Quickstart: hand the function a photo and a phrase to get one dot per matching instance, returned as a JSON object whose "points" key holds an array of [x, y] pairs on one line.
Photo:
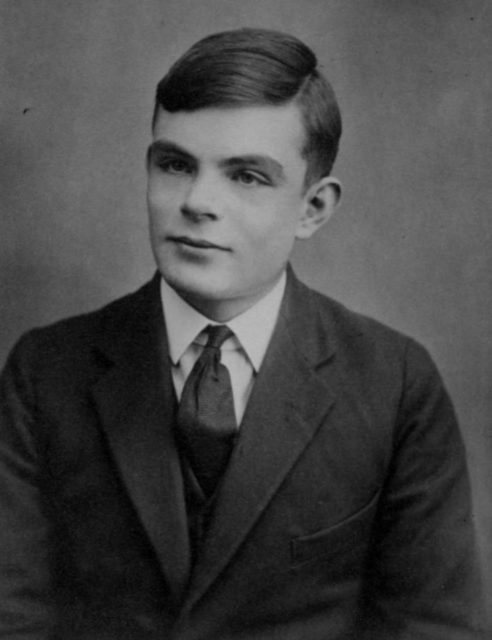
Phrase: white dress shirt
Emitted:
{"points": [[242, 354]]}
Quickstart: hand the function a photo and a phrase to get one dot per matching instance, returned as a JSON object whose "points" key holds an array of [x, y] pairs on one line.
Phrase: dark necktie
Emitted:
{"points": [[206, 419]]}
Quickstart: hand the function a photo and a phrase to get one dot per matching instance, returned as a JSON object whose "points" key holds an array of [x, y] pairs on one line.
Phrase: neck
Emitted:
{"points": [[225, 310]]}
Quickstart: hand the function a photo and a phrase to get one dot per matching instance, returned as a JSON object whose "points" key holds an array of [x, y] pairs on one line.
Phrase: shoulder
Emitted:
{"points": [[72, 342], [372, 359], [350, 333]]}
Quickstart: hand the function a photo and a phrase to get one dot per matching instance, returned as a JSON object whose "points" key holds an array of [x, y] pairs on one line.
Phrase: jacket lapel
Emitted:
{"points": [[135, 400], [286, 408]]}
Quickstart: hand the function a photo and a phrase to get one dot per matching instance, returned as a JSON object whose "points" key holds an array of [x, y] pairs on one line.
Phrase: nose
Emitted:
{"points": [[201, 201]]}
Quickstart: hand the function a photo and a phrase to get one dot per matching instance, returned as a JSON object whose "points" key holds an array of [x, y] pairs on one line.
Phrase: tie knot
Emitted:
{"points": [[217, 335]]}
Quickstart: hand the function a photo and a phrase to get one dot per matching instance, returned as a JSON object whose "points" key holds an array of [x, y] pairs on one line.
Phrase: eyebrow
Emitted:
{"points": [[252, 160], [164, 146], [258, 161]]}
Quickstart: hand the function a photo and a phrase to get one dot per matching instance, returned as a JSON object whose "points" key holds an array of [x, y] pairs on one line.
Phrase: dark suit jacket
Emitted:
{"points": [[344, 511]]}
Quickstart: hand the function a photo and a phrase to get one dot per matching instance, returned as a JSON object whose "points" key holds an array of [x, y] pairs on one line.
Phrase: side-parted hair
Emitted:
{"points": [[258, 67]]}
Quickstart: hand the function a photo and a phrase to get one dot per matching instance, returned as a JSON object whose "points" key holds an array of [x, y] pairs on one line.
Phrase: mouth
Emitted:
{"points": [[196, 243]]}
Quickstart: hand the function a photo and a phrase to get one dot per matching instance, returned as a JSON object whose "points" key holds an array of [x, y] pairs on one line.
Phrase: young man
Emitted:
{"points": [[293, 472]]}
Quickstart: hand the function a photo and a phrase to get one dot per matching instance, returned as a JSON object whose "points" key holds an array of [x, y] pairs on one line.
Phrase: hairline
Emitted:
{"points": [[243, 104]]}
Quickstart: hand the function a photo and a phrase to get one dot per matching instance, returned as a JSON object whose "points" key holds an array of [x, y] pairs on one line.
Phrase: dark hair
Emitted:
{"points": [[257, 67]]}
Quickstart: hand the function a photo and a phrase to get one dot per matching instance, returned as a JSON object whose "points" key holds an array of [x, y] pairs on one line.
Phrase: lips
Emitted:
{"points": [[197, 243]]}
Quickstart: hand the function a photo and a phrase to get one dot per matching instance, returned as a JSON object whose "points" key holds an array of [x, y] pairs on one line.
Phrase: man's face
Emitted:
{"points": [[226, 201]]}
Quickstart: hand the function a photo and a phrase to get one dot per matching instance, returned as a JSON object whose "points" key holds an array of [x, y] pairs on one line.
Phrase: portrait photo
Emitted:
{"points": [[246, 337]]}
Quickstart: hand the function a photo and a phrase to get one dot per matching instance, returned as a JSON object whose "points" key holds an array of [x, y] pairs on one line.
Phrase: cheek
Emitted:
{"points": [[163, 192], [267, 247], [273, 225], [160, 204]]}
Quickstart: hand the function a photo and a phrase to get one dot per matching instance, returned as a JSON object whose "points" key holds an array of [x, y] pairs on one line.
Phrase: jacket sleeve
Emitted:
{"points": [[423, 579], [26, 611]]}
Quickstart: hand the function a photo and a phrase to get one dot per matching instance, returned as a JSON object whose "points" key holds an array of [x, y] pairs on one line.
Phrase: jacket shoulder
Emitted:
{"points": [[366, 347], [71, 341], [348, 327]]}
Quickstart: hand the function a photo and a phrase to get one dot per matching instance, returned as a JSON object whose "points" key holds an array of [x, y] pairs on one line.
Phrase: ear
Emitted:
{"points": [[321, 200]]}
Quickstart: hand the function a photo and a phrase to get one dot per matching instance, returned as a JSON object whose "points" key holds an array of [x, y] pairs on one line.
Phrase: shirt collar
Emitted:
{"points": [[253, 328]]}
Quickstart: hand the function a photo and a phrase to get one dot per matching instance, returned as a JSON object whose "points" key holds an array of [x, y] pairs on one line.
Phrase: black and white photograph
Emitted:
{"points": [[246, 320]]}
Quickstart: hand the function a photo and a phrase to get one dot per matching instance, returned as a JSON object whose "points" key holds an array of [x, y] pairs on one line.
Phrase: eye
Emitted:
{"points": [[249, 178], [174, 166]]}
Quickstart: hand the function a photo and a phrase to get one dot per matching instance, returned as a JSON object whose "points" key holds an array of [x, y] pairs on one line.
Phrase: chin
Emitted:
{"points": [[195, 285]]}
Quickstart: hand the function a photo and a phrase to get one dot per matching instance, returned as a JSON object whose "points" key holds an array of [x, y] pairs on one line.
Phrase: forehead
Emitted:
{"points": [[275, 131]]}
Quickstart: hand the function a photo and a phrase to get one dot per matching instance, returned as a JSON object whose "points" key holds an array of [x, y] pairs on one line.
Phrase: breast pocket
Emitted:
{"points": [[349, 537]]}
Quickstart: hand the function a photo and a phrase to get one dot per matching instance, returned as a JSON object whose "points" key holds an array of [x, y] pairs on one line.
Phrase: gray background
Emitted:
{"points": [[411, 242]]}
